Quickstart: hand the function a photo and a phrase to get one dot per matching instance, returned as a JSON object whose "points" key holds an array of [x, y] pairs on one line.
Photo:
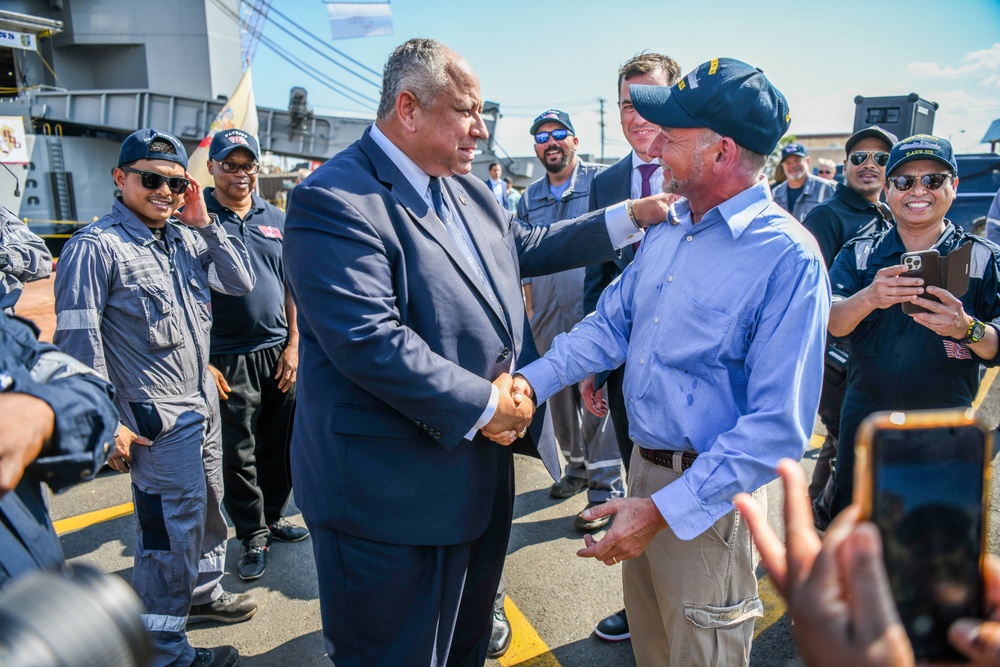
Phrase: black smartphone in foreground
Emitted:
{"points": [[923, 478]]}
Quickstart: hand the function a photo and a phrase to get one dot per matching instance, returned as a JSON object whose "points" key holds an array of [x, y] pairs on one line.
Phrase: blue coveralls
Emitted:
{"points": [[138, 310], [23, 258], [85, 420]]}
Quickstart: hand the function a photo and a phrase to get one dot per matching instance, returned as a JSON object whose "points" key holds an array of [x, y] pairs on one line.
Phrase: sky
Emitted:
{"points": [[532, 56]]}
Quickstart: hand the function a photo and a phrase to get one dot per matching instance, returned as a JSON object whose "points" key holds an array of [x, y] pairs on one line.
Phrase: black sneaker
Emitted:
{"points": [[221, 656], [614, 628], [228, 608], [284, 530], [252, 563]]}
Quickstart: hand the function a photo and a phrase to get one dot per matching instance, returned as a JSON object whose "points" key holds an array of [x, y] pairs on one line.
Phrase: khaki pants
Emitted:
{"points": [[691, 602]]}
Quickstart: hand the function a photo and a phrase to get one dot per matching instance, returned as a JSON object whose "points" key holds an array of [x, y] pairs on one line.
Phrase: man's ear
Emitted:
{"points": [[407, 109], [119, 177]]}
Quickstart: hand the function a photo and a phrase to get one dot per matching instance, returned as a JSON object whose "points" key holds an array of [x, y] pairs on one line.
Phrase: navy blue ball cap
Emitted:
{"points": [[552, 116], [922, 147], [873, 132], [137, 147], [226, 141], [794, 149], [725, 95]]}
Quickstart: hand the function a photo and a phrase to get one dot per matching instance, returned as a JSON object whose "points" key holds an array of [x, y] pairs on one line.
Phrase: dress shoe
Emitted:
{"points": [[252, 563], [567, 487], [220, 656], [284, 530], [614, 628], [588, 525], [500, 636], [228, 608]]}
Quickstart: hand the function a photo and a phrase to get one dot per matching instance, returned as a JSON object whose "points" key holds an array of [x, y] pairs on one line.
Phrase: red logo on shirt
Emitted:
{"points": [[956, 350], [270, 232]]}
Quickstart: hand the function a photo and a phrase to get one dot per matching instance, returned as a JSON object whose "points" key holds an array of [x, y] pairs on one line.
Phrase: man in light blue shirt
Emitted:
{"points": [[721, 319]]}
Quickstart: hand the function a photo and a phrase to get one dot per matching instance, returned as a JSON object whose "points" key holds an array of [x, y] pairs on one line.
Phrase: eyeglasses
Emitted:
{"points": [[249, 168], [929, 181], [558, 135], [881, 158], [826, 172], [152, 181]]}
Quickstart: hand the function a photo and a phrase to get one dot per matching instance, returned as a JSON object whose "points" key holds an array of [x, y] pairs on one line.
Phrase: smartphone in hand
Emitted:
{"points": [[950, 272], [923, 478]]}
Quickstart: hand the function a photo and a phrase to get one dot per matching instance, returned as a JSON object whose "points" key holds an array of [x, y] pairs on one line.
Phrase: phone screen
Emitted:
{"points": [[927, 500]]}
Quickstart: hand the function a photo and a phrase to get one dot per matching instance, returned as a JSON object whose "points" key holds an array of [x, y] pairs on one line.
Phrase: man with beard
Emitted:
{"points": [[587, 441], [854, 209], [721, 316], [801, 191]]}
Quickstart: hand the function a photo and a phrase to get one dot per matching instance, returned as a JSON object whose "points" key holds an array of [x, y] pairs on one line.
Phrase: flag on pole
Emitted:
{"points": [[240, 112], [359, 19]]}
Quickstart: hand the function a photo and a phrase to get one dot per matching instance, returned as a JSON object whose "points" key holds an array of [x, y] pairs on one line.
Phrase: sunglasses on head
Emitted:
{"points": [[558, 135], [881, 158], [929, 181], [152, 181], [249, 168]]}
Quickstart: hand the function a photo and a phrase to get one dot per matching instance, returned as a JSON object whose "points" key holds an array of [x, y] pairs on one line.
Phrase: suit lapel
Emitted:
{"points": [[486, 248], [389, 175]]}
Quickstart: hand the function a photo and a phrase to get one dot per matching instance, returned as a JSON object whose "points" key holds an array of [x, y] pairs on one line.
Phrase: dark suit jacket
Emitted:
{"points": [[399, 345], [610, 187]]}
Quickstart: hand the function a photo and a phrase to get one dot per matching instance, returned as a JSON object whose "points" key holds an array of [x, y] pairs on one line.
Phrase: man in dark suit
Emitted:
{"points": [[406, 272], [635, 176]]}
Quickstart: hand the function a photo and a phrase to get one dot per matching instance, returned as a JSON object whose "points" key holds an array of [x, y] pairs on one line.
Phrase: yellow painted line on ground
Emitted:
{"points": [[527, 649], [984, 387], [774, 606], [79, 521], [816, 441]]}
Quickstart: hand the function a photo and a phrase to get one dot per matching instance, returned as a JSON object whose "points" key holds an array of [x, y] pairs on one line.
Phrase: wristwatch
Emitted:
{"points": [[975, 333]]}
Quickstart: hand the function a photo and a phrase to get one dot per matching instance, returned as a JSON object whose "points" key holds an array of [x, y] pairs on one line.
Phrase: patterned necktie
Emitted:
{"points": [[646, 171], [463, 244]]}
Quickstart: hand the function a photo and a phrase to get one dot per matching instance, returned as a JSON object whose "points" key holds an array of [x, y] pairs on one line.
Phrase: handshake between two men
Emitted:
{"points": [[515, 408]]}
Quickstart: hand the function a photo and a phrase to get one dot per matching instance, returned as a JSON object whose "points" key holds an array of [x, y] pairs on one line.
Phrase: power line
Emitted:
{"points": [[326, 44], [309, 70], [268, 7]]}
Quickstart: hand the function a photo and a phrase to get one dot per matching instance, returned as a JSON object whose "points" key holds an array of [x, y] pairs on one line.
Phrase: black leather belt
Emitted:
{"points": [[665, 457]]}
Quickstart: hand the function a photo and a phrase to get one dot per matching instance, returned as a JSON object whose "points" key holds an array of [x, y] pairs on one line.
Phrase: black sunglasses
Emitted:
{"points": [[929, 181], [249, 169], [152, 181], [558, 135], [881, 158]]}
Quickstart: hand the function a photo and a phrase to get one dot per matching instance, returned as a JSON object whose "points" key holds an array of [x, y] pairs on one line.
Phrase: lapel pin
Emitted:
{"points": [[461, 198]]}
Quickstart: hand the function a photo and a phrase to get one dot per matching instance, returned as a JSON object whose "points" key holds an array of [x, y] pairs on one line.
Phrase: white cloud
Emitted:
{"points": [[981, 63]]}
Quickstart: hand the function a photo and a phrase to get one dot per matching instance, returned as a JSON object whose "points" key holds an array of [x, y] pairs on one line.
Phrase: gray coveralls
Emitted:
{"points": [[23, 258], [587, 442], [138, 310]]}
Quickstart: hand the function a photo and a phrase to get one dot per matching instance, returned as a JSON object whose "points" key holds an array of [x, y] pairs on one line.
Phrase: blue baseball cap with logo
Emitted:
{"points": [[226, 141], [794, 149], [552, 116], [138, 146], [725, 95], [922, 147]]}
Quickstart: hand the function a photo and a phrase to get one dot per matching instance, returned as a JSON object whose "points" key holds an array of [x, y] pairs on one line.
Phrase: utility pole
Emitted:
{"points": [[602, 100]]}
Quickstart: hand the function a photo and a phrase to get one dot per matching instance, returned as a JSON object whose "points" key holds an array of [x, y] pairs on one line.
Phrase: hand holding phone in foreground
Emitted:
{"points": [[837, 589]]}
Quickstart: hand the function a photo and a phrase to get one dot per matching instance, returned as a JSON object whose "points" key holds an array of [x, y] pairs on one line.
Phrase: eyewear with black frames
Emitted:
{"points": [[881, 158], [152, 181], [249, 168], [929, 181], [558, 135]]}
